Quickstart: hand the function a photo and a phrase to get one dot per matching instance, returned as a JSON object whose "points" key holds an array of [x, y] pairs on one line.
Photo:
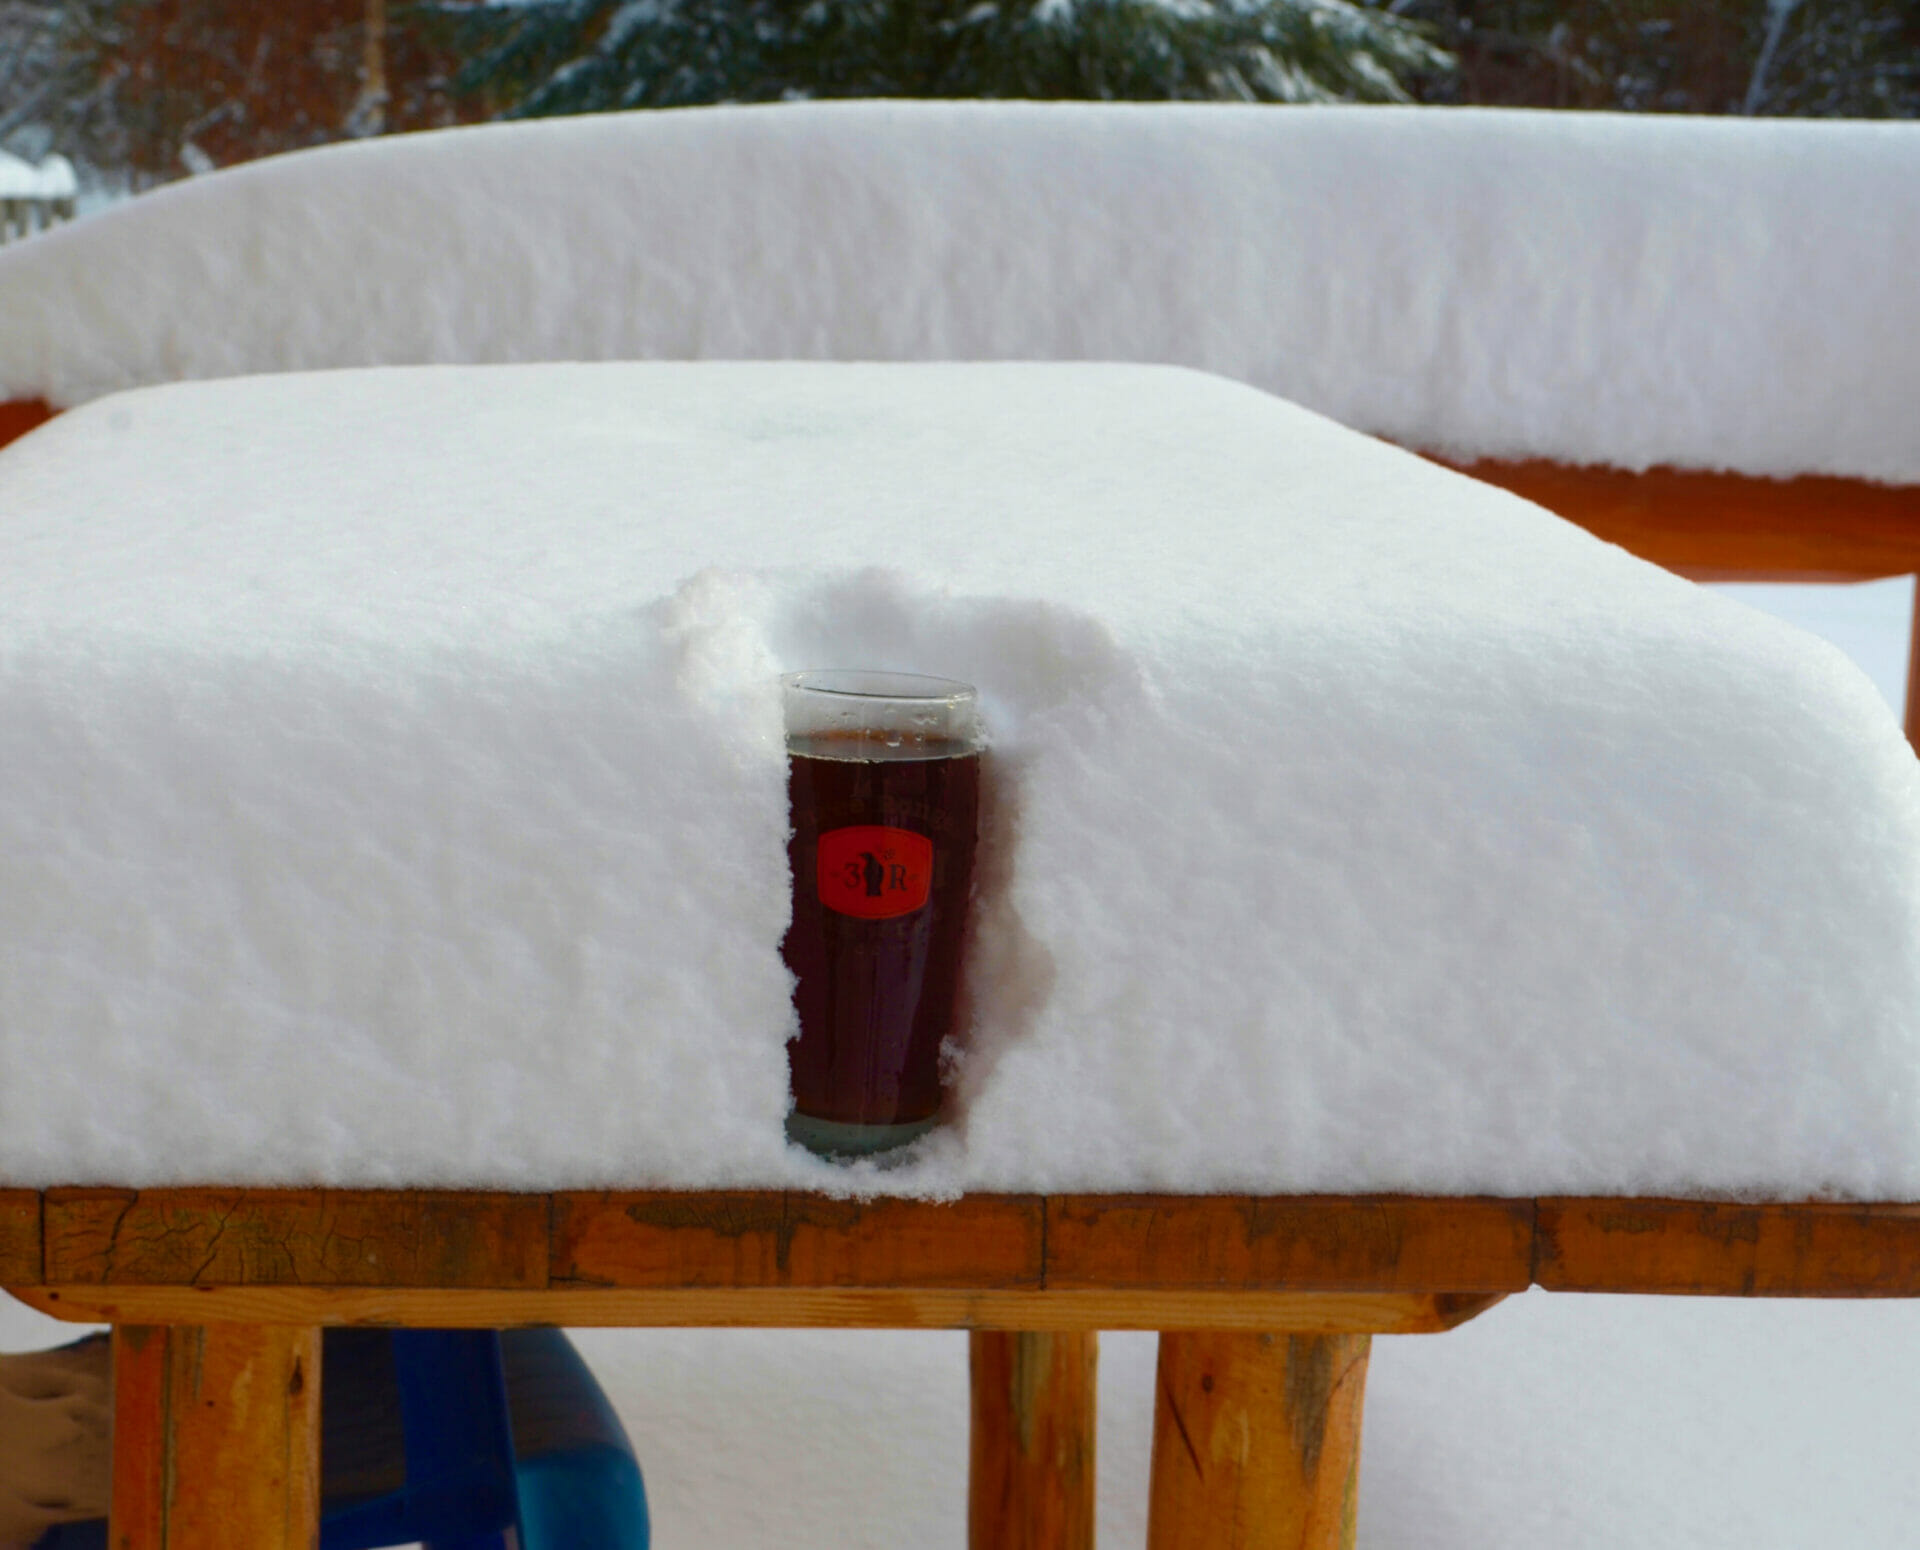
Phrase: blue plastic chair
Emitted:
{"points": [[457, 1439]]}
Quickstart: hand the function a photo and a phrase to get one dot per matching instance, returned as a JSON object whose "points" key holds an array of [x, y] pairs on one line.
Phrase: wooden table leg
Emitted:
{"points": [[216, 1438], [1256, 1441], [1030, 1478]]}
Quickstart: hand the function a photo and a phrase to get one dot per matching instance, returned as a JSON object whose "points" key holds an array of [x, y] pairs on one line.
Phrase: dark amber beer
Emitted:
{"points": [[884, 793]]}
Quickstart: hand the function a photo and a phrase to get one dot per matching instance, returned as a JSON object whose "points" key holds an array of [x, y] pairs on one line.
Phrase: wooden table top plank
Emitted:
{"points": [[1718, 1248], [20, 1232], [263, 1237], [795, 1307], [1038, 1247], [1319, 1243], [788, 1238]]}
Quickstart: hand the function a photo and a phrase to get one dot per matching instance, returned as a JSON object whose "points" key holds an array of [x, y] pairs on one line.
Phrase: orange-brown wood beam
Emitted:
{"points": [[787, 1307], [1722, 1249], [1728, 527], [1030, 1478], [216, 1438], [19, 1237], [20, 415], [1308, 1242], [1256, 1442], [776, 1238], [1009, 1246], [303, 1237]]}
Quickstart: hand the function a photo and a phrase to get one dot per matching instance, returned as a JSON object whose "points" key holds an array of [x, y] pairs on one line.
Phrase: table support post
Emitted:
{"points": [[216, 1438], [1256, 1441], [1031, 1480]]}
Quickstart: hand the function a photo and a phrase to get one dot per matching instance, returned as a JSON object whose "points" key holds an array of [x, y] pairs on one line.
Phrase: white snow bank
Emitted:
{"points": [[394, 793], [1630, 289]]}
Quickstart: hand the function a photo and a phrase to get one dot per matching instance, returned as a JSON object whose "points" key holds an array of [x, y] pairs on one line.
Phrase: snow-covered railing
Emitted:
{"points": [[33, 198]]}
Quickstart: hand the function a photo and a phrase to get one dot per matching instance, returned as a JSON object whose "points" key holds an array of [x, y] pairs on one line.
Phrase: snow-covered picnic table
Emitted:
{"points": [[393, 837], [395, 796]]}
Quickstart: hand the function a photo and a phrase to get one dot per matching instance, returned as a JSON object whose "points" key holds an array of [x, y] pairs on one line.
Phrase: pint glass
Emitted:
{"points": [[884, 787]]}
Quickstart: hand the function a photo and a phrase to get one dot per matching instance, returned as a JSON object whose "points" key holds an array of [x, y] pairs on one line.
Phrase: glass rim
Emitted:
{"points": [[860, 683]]}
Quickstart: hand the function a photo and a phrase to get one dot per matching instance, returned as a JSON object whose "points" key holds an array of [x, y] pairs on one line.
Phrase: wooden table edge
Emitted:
{"points": [[956, 1308], [705, 1243]]}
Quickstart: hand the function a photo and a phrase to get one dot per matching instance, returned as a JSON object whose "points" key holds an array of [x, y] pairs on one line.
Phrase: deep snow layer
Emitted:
{"points": [[394, 793], [1624, 289], [1712, 1423]]}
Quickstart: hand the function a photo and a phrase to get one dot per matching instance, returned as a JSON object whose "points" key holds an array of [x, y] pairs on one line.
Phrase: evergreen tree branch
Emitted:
{"points": [[574, 56]]}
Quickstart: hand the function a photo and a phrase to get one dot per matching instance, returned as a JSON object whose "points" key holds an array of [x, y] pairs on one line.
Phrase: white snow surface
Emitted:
{"points": [[1620, 289], [1735, 1424], [394, 793]]}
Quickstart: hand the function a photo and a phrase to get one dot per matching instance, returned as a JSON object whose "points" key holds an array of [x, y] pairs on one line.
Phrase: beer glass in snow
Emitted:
{"points": [[884, 787]]}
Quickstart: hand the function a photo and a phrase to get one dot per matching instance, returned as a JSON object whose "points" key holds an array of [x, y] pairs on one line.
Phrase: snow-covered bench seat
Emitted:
{"points": [[1626, 290]]}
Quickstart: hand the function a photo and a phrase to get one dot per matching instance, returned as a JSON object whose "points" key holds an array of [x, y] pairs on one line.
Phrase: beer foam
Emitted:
{"points": [[395, 795]]}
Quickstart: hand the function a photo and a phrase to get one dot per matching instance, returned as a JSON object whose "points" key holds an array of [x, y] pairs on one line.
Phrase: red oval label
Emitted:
{"points": [[872, 872]]}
